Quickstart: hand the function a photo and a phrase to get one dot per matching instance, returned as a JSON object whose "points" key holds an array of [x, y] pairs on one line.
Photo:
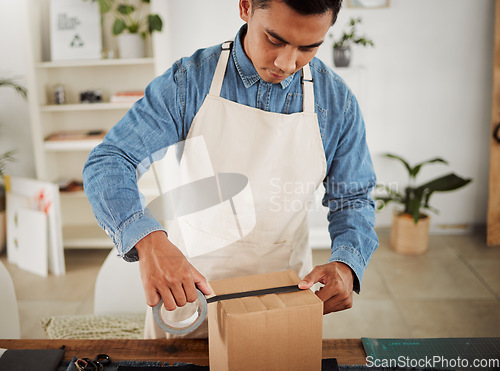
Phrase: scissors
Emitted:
{"points": [[86, 364]]}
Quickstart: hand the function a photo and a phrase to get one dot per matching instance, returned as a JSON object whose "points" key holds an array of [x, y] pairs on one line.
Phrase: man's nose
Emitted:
{"points": [[286, 59]]}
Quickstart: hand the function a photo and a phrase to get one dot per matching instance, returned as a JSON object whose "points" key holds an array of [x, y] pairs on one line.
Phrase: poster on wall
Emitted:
{"points": [[75, 30]]}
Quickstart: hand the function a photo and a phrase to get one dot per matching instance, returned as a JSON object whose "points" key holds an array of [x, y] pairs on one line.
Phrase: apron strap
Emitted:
{"points": [[307, 89], [220, 70]]}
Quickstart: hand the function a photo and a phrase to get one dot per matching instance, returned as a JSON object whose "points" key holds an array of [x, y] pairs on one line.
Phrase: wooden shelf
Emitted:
{"points": [[86, 107], [70, 145], [96, 63]]}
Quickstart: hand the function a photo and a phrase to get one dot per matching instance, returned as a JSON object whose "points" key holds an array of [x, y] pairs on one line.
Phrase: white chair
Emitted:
{"points": [[9, 314], [118, 288]]}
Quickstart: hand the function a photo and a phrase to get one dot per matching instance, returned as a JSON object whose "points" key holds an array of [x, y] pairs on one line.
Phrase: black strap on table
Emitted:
{"points": [[244, 294]]}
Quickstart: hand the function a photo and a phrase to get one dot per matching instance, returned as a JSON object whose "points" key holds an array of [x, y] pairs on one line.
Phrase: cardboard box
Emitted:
{"points": [[270, 332]]}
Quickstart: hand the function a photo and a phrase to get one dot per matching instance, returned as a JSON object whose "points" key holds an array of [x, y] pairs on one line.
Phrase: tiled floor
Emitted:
{"points": [[452, 291]]}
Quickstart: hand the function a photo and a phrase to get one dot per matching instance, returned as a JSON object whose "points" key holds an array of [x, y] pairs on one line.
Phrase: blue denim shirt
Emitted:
{"points": [[163, 117]]}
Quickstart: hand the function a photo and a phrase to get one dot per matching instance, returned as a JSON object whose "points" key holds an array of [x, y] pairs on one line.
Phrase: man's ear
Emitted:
{"points": [[245, 9]]}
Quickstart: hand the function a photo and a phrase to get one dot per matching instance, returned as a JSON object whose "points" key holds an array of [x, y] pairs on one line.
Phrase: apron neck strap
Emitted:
{"points": [[220, 70], [306, 78], [307, 89]]}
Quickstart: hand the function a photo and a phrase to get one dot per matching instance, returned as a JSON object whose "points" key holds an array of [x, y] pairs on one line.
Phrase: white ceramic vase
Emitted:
{"points": [[131, 45]]}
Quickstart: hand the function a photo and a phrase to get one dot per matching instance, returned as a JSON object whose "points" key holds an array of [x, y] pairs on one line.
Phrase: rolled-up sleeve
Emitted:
{"points": [[113, 168], [348, 185]]}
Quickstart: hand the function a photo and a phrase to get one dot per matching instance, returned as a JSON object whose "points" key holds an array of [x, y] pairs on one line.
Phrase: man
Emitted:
{"points": [[268, 110]]}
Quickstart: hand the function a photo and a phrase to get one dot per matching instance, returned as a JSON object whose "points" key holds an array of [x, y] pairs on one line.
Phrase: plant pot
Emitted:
{"points": [[342, 56], [131, 45], [3, 231], [408, 238]]}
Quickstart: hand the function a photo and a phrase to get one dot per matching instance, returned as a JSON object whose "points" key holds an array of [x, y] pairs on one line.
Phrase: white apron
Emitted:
{"points": [[283, 157]]}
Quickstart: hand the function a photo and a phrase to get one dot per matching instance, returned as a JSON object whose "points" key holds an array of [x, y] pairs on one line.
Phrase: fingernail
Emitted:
{"points": [[303, 283]]}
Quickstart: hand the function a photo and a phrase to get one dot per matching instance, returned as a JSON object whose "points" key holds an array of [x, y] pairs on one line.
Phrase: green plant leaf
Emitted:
{"points": [[416, 169], [125, 9], [435, 211], [133, 27], [398, 197], [105, 5], [146, 1], [446, 183], [414, 207], [154, 23], [383, 201], [404, 162], [11, 83], [118, 26], [4, 159]]}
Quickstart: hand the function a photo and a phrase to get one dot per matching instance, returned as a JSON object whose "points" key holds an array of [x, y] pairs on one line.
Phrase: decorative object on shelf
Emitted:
{"points": [[71, 135], [126, 96], [342, 47], [59, 94], [70, 185], [368, 3], [410, 227], [131, 25], [131, 45], [75, 30], [90, 96], [5, 158]]}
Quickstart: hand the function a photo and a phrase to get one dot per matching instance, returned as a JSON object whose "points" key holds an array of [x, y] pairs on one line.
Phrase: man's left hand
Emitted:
{"points": [[338, 280]]}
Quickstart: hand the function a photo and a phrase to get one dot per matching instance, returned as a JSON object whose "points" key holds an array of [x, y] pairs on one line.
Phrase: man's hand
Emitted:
{"points": [[166, 273], [338, 280]]}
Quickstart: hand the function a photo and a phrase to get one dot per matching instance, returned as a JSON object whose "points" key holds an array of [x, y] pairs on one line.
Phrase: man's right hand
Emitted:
{"points": [[166, 273]]}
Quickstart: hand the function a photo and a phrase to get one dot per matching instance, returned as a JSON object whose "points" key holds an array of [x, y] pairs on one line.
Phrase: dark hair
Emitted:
{"points": [[305, 7]]}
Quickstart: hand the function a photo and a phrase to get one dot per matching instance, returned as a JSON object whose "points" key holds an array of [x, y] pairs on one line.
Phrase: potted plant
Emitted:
{"points": [[410, 226], [5, 158], [342, 46], [131, 24]]}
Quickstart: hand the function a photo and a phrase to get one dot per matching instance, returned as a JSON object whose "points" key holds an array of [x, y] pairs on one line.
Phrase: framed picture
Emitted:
{"points": [[368, 3], [75, 30]]}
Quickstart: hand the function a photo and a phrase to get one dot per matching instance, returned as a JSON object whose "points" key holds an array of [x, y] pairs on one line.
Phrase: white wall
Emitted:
{"points": [[426, 85], [429, 94], [15, 130]]}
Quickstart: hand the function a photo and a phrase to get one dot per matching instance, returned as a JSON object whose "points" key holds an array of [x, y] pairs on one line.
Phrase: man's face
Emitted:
{"points": [[279, 41]]}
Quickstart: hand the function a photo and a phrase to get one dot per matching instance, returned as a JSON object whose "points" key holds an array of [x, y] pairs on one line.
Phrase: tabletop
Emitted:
{"points": [[347, 351]]}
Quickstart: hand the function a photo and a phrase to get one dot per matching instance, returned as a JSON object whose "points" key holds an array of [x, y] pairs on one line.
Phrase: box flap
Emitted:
{"points": [[265, 302]]}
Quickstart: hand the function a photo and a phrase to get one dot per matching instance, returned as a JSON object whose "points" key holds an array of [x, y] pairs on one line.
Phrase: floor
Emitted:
{"points": [[451, 291]]}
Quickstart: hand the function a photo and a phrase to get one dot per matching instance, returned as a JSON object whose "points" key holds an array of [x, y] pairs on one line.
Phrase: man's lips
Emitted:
{"points": [[276, 76]]}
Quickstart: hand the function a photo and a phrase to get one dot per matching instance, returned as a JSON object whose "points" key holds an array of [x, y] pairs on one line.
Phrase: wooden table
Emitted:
{"points": [[347, 351]]}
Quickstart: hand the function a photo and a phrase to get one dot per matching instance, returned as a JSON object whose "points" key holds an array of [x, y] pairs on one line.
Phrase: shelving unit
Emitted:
{"points": [[57, 160], [85, 107]]}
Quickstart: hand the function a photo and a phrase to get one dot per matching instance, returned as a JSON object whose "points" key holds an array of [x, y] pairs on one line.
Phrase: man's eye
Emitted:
{"points": [[275, 43], [306, 49]]}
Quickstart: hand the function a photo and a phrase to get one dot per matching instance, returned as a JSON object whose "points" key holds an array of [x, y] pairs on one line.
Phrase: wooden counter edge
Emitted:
{"points": [[347, 351]]}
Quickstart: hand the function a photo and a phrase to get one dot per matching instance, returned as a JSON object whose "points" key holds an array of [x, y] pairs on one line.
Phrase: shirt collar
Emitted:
{"points": [[244, 65]]}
